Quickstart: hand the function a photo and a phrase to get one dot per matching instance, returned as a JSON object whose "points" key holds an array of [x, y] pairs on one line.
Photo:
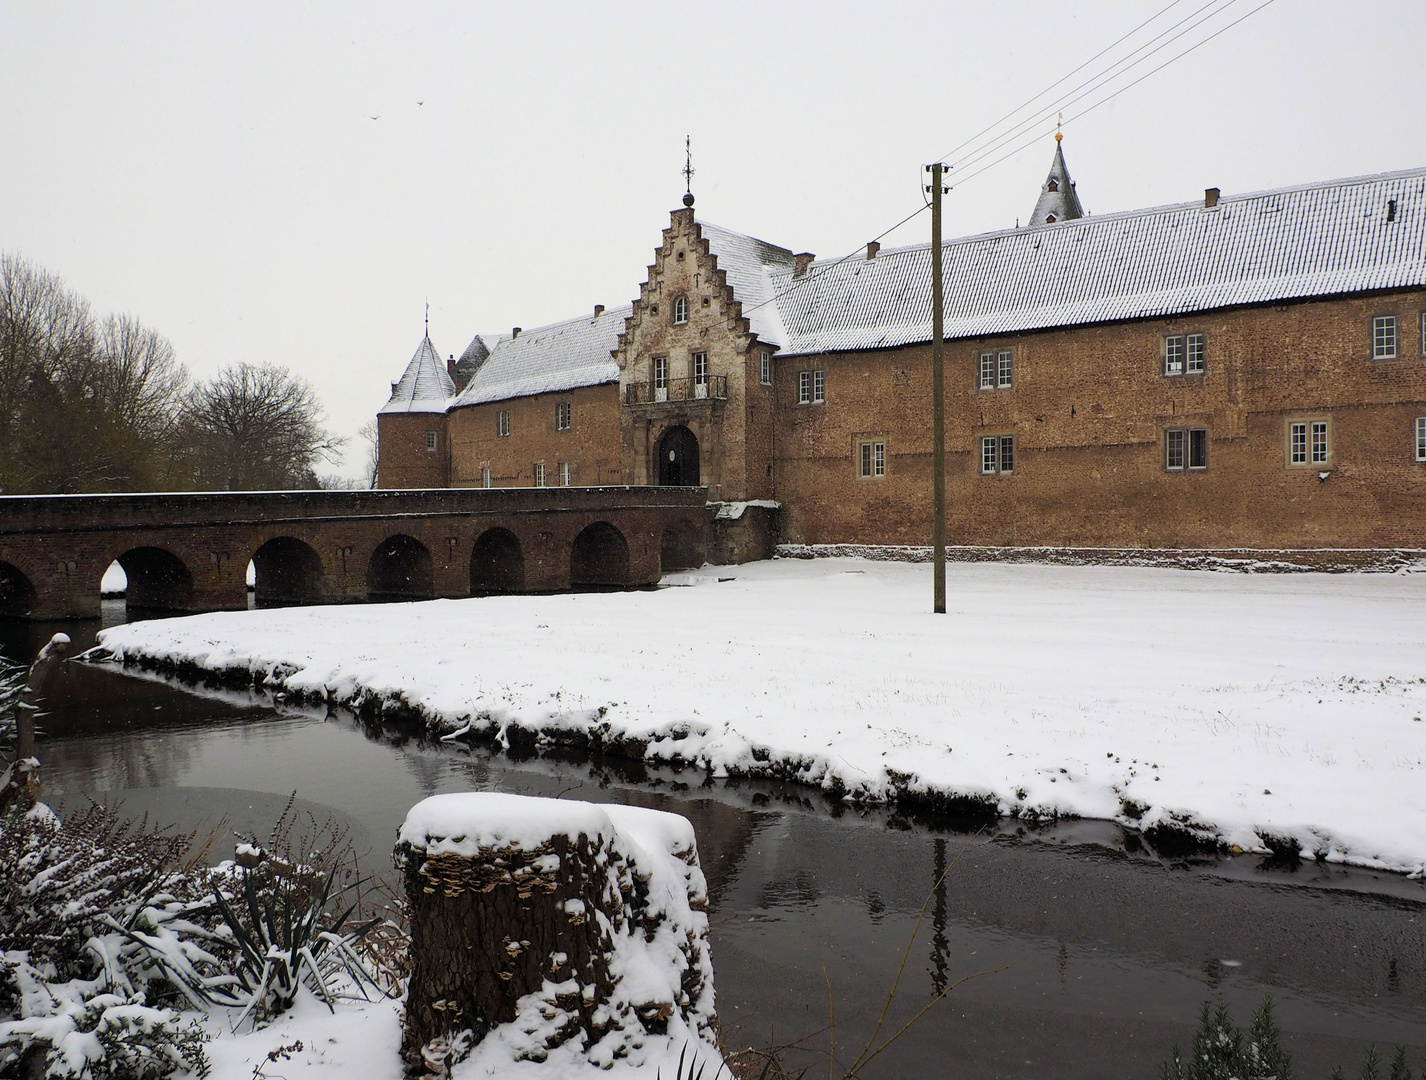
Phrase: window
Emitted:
{"points": [[653, 309], [539, 474], [563, 413], [502, 423], [660, 378], [680, 310], [1309, 442], [1384, 337], [765, 362], [700, 374], [1184, 354], [485, 476], [872, 459], [811, 387], [997, 454], [1421, 438], [1185, 448], [1423, 333], [997, 370], [430, 440], [564, 474]]}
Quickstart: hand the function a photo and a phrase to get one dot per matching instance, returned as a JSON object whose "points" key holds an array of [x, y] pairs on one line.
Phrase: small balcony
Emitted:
{"points": [[713, 388]]}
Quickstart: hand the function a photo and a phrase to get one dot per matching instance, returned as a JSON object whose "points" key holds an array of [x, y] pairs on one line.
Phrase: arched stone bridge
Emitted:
{"points": [[190, 552]]}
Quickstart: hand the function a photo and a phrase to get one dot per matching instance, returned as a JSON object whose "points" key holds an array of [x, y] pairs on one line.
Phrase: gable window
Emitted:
{"points": [[563, 415], [997, 370], [430, 440], [485, 476], [871, 459], [660, 378], [997, 454], [811, 387], [502, 423], [765, 362], [700, 374], [1421, 438], [680, 311], [1185, 449], [1384, 337], [539, 474], [564, 474], [1184, 354], [1309, 442]]}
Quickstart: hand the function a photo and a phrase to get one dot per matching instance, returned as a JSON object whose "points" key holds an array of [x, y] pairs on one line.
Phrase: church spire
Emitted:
{"points": [[1058, 201]]}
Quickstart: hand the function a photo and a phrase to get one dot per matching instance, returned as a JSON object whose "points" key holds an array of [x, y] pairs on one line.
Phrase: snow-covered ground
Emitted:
{"points": [[1249, 708]]}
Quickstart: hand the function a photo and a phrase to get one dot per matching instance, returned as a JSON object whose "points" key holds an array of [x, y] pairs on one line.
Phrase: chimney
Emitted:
{"points": [[598, 310], [801, 263], [451, 366], [871, 249], [1210, 197], [515, 333]]}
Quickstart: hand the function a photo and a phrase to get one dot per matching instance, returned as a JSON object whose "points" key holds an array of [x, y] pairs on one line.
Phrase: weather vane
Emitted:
{"points": [[1058, 123], [428, 317], [688, 170]]}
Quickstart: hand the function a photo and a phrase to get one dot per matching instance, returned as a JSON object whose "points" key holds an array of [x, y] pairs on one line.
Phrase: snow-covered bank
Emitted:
{"points": [[1261, 711]]}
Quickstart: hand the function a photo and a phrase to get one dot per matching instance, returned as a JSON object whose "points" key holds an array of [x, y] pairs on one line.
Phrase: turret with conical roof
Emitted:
{"points": [[425, 386], [1058, 201]]}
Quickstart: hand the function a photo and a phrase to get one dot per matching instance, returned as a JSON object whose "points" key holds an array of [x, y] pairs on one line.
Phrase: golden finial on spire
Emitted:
{"points": [[1059, 137]]}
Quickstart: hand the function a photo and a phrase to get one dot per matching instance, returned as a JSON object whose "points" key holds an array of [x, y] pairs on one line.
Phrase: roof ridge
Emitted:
{"points": [[528, 332]]}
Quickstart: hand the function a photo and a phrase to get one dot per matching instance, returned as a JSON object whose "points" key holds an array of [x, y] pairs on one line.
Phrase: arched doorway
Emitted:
{"points": [[157, 579], [678, 458], [287, 572], [17, 593], [681, 548], [400, 569], [600, 557], [496, 564]]}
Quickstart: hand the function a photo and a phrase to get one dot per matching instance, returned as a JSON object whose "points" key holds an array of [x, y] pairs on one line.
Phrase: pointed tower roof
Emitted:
{"points": [[425, 387], [1058, 201]]}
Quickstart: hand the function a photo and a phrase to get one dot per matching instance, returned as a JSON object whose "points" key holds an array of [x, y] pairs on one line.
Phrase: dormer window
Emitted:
{"points": [[680, 311], [1049, 219], [1053, 185]]}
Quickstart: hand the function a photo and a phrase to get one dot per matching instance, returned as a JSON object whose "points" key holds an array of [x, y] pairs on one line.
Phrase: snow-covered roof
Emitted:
{"points": [[425, 387], [749, 264], [1321, 239], [1058, 200], [561, 356]]}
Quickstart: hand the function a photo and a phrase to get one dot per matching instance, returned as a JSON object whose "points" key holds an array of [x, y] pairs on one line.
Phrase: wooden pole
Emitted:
{"points": [[938, 396]]}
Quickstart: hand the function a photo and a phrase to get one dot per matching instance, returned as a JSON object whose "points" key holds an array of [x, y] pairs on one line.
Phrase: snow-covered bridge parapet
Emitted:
{"points": [[544, 928], [190, 551]]}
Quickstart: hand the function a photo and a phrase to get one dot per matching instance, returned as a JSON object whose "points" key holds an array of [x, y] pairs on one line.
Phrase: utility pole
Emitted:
{"points": [[938, 392]]}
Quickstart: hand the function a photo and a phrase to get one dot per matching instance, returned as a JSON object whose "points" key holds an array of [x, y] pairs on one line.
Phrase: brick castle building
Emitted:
{"points": [[1242, 371]]}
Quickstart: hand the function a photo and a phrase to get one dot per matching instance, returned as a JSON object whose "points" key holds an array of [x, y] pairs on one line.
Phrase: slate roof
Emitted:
{"points": [[561, 356], [1314, 240], [749, 264], [425, 387], [1061, 204]]}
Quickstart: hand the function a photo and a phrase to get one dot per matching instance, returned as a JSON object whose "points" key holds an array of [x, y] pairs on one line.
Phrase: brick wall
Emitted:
{"points": [[406, 457], [1088, 408], [590, 445]]}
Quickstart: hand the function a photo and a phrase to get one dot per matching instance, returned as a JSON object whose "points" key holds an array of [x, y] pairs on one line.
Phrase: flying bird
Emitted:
{"points": [[376, 118], [420, 103]]}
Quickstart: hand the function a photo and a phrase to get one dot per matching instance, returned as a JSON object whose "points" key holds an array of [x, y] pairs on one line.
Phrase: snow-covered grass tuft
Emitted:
{"points": [[1254, 711]]}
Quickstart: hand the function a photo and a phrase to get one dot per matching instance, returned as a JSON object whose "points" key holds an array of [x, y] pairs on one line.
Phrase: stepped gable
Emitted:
{"points": [[1058, 200], [1314, 240], [561, 356], [748, 265], [425, 386]]}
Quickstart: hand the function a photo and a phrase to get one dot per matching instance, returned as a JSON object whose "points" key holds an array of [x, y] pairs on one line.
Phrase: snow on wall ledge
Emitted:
{"points": [[1262, 711]]}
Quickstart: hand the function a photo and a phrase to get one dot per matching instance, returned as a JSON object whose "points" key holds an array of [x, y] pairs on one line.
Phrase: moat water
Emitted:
{"points": [[1091, 954]]}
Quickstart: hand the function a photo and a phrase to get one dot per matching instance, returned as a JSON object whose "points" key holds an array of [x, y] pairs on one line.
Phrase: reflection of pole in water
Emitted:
{"points": [[938, 921]]}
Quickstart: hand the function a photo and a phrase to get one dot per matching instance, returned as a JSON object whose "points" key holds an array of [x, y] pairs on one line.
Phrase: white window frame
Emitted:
{"points": [[1423, 333], [564, 474], [1005, 369], [502, 423], [680, 310], [871, 459], [1421, 438], [1384, 337], [430, 442], [987, 371], [564, 416], [1195, 353], [1179, 449], [539, 470], [700, 374], [1309, 443], [485, 478], [765, 364], [993, 452], [660, 378], [812, 387]]}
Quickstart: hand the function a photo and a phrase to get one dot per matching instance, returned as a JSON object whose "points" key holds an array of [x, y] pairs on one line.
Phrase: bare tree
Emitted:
{"points": [[372, 444], [256, 427]]}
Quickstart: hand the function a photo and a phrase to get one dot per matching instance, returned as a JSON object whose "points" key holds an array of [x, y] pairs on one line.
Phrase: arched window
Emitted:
{"points": [[680, 311], [1053, 185]]}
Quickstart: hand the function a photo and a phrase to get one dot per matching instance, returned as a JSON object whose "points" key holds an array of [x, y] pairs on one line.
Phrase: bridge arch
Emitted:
{"points": [[497, 565], [681, 547], [17, 592], [600, 556], [400, 569], [288, 571], [158, 579]]}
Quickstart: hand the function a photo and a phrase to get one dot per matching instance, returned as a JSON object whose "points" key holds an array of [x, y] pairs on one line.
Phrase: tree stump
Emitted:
{"points": [[528, 912]]}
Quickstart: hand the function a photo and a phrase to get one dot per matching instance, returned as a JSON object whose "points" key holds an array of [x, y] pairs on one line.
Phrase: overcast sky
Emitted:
{"points": [[290, 183]]}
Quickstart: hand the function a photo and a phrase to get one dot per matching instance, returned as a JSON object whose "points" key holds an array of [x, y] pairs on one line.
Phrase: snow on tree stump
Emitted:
{"points": [[543, 927]]}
